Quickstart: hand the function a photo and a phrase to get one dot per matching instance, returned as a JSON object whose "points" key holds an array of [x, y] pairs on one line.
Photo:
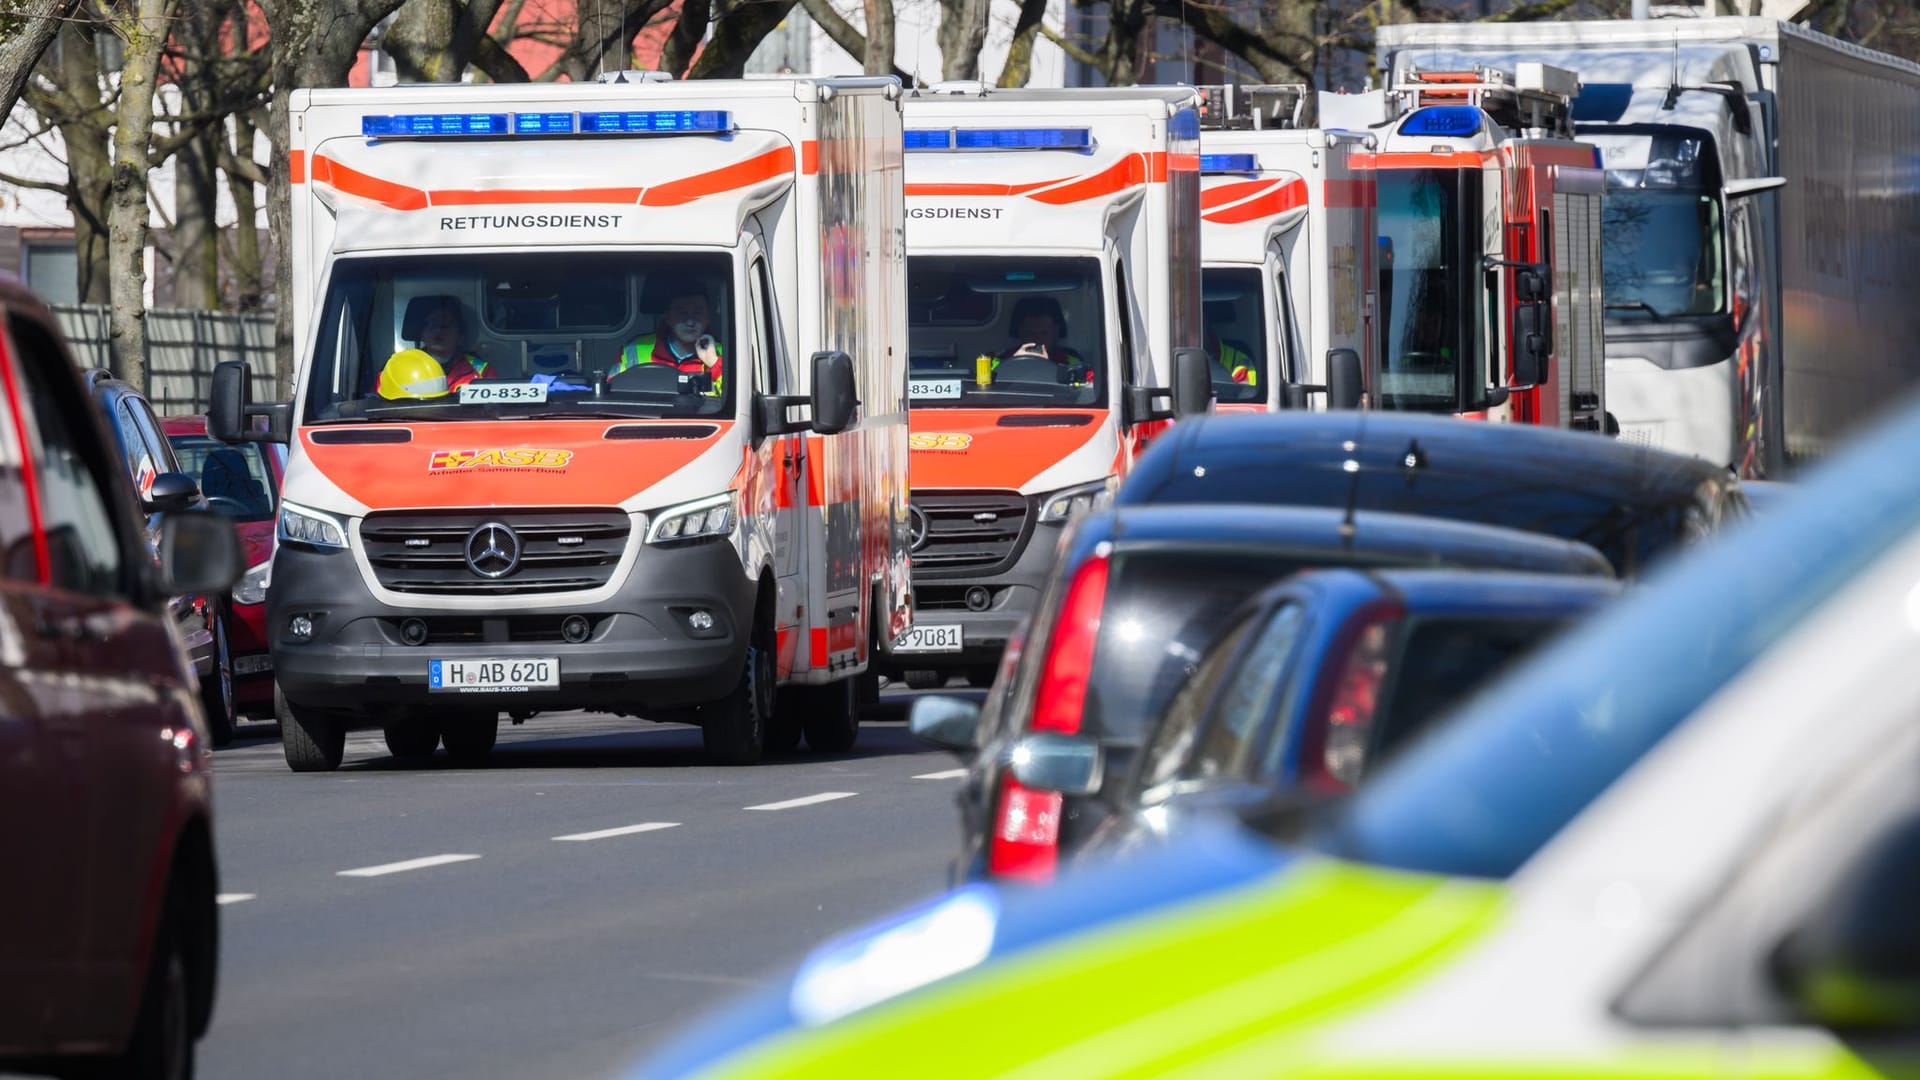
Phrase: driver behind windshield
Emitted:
{"points": [[688, 348], [438, 327], [1038, 325]]}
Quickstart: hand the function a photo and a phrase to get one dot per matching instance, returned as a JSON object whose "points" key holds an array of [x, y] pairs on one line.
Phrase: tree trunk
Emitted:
{"points": [[436, 40], [75, 107], [196, 250], [879, 55], [844, 34], [1019, 66], [29, 27], [145, 32], [736, 35], [677, 55], [247, 288], [963, 33]]}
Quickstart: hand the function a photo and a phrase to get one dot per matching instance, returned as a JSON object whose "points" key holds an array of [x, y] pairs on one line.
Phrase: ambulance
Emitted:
{"points": [[1287, 234], [600, 404], [1053, 293]]}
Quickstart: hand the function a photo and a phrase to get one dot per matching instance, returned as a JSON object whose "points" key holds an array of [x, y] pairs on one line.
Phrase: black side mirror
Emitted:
{"points": [[199, 552], [1192, 382], [1068, 764], [834, 396], [1855, 962], [230, 407], [1530, 284], [949, 722], [171, 492], [1293, 396], [1346, 382], [1532, 344]]}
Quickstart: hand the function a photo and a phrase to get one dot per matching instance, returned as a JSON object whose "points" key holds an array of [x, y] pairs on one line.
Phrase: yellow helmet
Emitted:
{"points": [[412, 373]]}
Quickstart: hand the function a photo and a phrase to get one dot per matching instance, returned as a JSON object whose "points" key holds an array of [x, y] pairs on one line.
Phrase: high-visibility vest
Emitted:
{"points": [[640, 351], [477, 369], [1073, 360], [1239, 365]]}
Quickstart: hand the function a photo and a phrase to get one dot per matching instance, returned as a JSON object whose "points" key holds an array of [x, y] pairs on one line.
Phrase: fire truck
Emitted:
{"points": [[1489, 250], [600, 403], [1287, 235], [1053, 291]]}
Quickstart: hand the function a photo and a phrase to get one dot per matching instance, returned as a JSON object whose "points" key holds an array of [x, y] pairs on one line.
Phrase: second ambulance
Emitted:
{"points": [[600, 404]]}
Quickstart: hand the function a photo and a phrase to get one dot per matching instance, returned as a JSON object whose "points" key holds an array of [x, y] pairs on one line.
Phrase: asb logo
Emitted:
{"points": [[934, 440], [487, 460]]}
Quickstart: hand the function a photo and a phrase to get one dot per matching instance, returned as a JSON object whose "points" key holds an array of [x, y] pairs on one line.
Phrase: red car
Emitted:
{"points": [[242, 482], [109, 928]]}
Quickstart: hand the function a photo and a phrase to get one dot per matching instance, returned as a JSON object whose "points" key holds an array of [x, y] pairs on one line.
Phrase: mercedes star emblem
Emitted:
{"points": [[493, 550], [916, 527]]}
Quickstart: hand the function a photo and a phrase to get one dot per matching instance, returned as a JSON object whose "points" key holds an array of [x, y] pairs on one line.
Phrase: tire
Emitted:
{"points": [[783, 727], [313, 741], [734, 729], [412, 740], [980, 678], [162, 1044], [870, 690], [469, 739], [832, 717], [216, 690], [922, 679]]}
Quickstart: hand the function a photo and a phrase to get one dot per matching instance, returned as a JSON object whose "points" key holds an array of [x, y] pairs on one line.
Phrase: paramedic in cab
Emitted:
{"points": [[438, 327], [1038, 324], [689, 348], [1231, 363]]}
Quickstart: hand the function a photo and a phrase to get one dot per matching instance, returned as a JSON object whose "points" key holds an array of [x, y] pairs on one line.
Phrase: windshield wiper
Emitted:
{"points": [[1637, 305]]}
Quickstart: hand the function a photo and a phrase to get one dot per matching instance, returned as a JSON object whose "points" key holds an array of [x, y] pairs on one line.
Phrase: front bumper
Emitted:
{"points": [[1015, 594], [640, 654]]}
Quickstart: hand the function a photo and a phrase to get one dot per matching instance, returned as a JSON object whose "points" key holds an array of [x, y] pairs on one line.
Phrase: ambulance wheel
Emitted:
{"points": [[783, 727], [469, 739], [870, 690], [832, 719], [922, 679], [411, 739], [734, 729], [313, 741]]}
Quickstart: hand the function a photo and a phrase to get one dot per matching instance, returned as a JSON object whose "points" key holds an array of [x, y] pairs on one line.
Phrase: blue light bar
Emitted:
{"points": [[422, 125], [1444, 121], [928, 139], [551, 123], [1184, 124], [1229, 163], [674, 122], [1024, 139]]}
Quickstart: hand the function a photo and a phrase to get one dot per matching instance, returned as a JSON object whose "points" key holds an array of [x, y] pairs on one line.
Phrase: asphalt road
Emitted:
{"points": [[555, 912]]}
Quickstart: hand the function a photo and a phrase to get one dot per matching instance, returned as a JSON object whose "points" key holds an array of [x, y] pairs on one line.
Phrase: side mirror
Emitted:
{"points": [[948, 722], [1345, 380], [1068, 764], [171, 492], [834, 395], [1532, 344], [1530, 284], [199, 552], [230, 407], [1855, 961], [1293, 396], [1192, 382]]}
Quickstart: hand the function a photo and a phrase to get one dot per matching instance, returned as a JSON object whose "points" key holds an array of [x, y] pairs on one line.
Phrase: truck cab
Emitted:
{"points": [[1053, 292], [599, 404]]}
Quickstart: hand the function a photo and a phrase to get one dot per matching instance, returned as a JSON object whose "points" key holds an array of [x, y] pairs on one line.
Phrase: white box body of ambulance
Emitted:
{"points": [[574, 423], [1053, 266]]}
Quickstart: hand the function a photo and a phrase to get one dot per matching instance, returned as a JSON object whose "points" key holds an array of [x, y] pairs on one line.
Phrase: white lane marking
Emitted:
{"points": [[235, 897], [405, 865], [624, 830], [809, 800], [949, 774]]}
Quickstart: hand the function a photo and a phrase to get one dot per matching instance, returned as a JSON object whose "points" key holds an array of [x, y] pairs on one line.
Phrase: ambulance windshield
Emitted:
{"points": [[1426, 291], [1661, 234], [1232, 305], [481, 336], [1006, 332]]}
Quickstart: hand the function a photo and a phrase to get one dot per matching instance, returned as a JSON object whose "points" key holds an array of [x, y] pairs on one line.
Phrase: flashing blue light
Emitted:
{"points": [[1602, 102], [1444, 121], [1184, 124], [554, 123], [674, 122], [1024, 139], [928, 139], [439, 124], [1229, 163]]}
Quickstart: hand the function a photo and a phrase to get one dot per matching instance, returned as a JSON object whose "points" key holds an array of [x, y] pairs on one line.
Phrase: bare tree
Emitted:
{"points": [[1019, 66], [69, 94], [962, 34], [437, 40], [684, 40], [143, 25], [25, 32], [736, 33], [878, 59], [845, 34]]}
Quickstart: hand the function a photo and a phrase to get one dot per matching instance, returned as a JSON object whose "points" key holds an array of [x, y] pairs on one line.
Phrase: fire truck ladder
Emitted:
{"points": [[1226, 107], [1537, 99]]}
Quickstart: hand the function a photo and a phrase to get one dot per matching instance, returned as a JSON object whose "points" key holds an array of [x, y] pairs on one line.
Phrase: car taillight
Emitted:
{"points": [[1062, 693], [1336, 748], [1025, 844]]}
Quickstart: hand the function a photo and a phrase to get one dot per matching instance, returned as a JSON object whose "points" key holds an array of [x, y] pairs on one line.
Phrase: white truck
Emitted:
{"points": [[1760, 207], [552, 342], [1287, 238], [1053, 270]]}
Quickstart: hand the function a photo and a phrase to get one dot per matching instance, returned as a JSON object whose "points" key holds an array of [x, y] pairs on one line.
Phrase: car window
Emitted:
{"points": [[164, 459], [1438, 662], [18, 560], [235, 479], [1173, 737], [83, 550], [133, 448], [1246, 703]]}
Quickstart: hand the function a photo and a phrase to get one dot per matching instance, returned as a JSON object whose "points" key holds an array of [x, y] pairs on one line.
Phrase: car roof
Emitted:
{"points": [[1495, 591], [1321, 529]]}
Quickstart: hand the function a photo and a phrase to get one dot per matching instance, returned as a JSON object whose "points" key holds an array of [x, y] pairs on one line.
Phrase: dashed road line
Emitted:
{"points": [[623, 830], [807, 800], [404, 865], [947, 774], [226, 898]]}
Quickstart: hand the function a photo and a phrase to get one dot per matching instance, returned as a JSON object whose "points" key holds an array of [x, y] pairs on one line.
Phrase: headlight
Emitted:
{"points": [[712, 516], [299, 525], [1069, 503], [252, 587]]}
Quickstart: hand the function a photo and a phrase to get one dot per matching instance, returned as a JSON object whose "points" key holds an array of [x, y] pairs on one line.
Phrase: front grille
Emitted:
{"points": [[455, 630], [560, 551], [975, 532]]}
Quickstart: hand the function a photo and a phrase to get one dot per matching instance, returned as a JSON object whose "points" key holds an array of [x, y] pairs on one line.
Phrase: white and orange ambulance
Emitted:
{"points": [[1053, 293], [1288, 237], [600, 403]]}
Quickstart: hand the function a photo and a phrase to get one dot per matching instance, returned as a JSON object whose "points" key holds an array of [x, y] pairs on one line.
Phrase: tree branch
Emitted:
{"points": [[1077, 53], [843, 33], [11, 180]]}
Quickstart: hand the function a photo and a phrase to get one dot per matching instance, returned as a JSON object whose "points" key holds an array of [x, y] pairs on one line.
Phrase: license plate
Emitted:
{"points": [[252, 665], [492, 676], [940, 389], [498, 393], [929, 639]]}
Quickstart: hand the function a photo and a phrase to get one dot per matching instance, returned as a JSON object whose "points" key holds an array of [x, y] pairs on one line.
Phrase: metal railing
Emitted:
{"points": [[182, 348]]}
